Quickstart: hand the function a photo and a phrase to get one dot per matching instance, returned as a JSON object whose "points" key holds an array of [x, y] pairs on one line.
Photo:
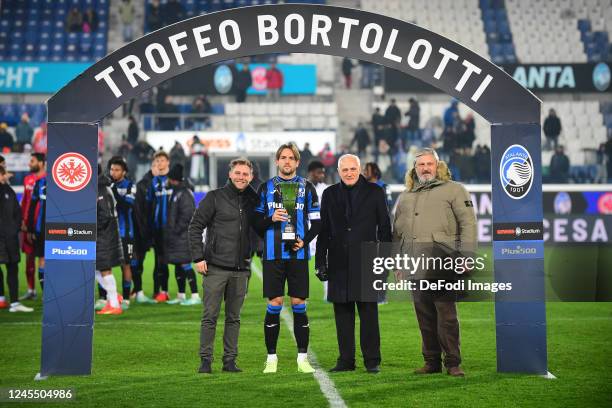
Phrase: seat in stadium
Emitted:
{"points": [[288, 109]]}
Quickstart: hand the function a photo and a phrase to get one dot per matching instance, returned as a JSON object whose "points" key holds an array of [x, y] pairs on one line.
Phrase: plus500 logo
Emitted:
{"points": [[522, 250], [70, 251], [519, 251], [67, 251]]}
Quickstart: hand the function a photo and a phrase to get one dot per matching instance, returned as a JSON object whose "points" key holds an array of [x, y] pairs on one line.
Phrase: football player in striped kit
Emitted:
{"points": [[124, 192], [287, 261]]}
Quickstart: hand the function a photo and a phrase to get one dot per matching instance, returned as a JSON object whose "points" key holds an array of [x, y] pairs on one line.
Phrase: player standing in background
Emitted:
{"points": [[142, 235], [286, 262], [181, 206], [36, 224], [109, 252], [316, 175], [372, 173], [37, 169], [124, 193], [10, 220], [158, 195]]}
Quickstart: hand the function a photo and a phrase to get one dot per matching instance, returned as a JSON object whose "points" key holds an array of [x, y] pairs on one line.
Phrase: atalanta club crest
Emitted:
{"points": [[516, 171], [71, 172]]}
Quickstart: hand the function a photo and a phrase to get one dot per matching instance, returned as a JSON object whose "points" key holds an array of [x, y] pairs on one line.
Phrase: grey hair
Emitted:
{"points": [[346, 156], [424, 152]]}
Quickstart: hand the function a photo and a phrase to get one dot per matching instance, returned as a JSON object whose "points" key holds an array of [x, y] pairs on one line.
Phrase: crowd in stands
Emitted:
{"points": [[395, 141], [170, 116], [127, 15], [138, 154], [82, 22], [387, 140], [159, 15]]}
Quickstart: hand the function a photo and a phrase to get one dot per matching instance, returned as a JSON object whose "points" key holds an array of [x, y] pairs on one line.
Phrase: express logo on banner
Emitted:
{"points": [[71, 172], [524, 231], [516, 171]]}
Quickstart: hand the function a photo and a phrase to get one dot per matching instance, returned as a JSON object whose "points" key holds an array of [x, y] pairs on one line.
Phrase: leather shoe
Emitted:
{"points": [[230, 366], [342, 367], [373, 369], [205, 367], [428, 369], [455, 371]]}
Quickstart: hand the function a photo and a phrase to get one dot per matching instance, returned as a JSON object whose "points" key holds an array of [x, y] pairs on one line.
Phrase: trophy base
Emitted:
{"points": [[288, 237]]}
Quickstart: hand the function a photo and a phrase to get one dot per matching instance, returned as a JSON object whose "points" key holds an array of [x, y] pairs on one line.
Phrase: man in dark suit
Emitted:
{"points": [[352, 211]]}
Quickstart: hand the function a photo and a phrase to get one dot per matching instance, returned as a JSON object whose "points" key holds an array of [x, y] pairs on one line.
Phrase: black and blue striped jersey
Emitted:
{"points": [[125, 195], [307, 220], [158, 194]]}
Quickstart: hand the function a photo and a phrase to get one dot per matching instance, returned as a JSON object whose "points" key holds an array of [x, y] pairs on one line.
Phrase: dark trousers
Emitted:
{"points": [[220, 285], [241, 95], [12, 277], [369, 333], [437, 317], [161, 273]]}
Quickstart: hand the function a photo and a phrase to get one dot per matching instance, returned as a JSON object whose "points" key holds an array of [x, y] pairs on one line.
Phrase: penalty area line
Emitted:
{"points": [[326, 384]]}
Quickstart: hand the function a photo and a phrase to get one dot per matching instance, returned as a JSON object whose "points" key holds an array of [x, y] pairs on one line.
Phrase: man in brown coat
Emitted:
{"points": [[435, 217]]}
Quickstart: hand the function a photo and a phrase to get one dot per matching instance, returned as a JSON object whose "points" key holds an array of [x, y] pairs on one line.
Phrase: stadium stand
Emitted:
{"points": [[506, 31], [561, 30], [264, 116], [497, 30], [585, 125], [512, 31], [432, 113], [464, 24], [10, 113], [35, 30], [281, 116], [191, 8]]}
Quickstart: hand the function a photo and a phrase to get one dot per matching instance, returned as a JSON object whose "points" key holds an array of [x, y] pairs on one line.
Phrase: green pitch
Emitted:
{"points": [[148, 356]]}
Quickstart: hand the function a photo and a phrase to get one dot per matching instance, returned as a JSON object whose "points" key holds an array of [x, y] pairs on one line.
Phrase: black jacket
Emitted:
{"points": [[243, 80], [176, 237], [109, 252], [414, 114], [552, 126], [343, 231], [142, 232], [559, 168], [10, 224], [361, 137], [227, 216]]}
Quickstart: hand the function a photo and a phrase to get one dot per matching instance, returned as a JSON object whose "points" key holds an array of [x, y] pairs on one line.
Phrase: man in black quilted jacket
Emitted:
{"points": [[224, 259]]}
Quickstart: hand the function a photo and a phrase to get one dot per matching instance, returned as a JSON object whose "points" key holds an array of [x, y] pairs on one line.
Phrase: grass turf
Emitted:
{"points": [[148, 356]]}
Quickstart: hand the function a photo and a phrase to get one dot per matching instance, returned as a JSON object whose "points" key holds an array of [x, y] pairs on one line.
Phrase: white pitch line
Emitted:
{"points": [[326, 384]]}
